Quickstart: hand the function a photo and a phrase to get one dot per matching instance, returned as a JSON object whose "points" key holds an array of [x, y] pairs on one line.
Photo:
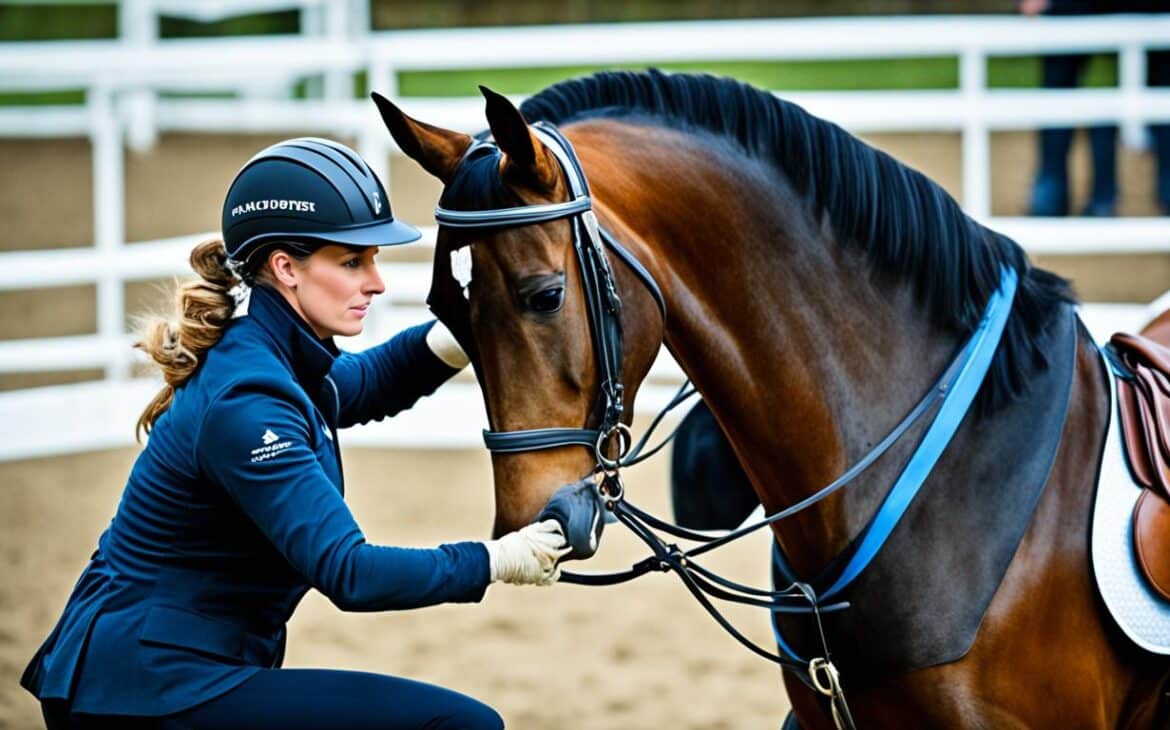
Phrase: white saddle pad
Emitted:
{"points": [[1142, 614]]}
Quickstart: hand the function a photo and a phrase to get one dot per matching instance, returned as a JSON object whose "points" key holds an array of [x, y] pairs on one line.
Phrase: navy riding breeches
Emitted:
{"points": [[308, 699]]}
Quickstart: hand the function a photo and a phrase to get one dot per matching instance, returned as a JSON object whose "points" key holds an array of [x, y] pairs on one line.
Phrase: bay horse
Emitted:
{"points": [[813, 289]]}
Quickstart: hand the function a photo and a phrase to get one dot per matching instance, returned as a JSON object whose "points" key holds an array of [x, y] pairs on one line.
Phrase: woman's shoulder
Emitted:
{"points": [[239, 361], [251, 380]]}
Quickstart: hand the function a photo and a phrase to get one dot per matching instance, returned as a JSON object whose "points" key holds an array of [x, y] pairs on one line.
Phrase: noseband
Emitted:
{"points": [[602, 302]]}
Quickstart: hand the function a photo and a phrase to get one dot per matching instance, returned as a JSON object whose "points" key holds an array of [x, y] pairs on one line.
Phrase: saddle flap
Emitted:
{"points": [[1144, 409], [1154, 353], [1151, 540], [1155, 389], [1131, 433]]}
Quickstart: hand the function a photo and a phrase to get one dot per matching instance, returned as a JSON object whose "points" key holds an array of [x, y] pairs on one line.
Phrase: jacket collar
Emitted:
{"points": [[310, 357]]}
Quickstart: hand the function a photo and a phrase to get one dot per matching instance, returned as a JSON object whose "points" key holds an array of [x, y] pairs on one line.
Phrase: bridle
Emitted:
{"points": [[949, 400], [602, 302]]}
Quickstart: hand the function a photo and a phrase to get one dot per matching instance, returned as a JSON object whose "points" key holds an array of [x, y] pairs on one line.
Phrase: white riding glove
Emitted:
{"points": [[446, 348], [529, 555]]}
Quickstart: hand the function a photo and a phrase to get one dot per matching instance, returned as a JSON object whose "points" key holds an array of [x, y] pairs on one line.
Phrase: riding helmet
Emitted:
{"points": [[307, 191]]}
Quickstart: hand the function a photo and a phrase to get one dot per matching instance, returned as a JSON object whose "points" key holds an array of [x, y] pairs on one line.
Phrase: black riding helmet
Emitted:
{"points": [[311, 192]]}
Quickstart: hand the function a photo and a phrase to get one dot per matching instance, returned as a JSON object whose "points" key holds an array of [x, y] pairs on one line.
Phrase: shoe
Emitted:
{"points": [[1099, 209], [1049, 198]]}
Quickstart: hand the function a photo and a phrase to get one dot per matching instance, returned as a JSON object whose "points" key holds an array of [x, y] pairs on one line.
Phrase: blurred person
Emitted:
{"points": [[234, 509], [1050, 191]]}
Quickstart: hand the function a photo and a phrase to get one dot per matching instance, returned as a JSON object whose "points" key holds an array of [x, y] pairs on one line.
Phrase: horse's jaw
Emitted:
{"points": [[525, 482]]}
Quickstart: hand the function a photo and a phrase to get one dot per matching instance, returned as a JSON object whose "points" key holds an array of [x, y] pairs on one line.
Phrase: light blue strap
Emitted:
{"points": [[979, 352]]}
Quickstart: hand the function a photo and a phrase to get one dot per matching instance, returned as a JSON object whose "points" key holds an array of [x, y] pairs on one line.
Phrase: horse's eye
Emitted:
{"points": [[548, 300]]}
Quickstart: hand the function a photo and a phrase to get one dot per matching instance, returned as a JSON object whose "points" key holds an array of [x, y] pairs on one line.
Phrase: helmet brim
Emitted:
{"points": [[383, 233], [386, 233]]}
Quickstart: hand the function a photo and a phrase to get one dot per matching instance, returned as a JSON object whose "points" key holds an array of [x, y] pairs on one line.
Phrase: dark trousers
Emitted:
{"points": [[1158, 72], [1050, 196], [1063, 72], [307, 699]]}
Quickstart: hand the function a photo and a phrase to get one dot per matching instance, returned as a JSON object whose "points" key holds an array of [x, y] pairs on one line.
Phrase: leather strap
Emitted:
{"points": [[511, 217], [536, 439]]}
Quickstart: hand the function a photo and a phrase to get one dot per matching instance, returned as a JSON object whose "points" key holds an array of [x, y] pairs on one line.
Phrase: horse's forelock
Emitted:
{"points": [[477, 185]]}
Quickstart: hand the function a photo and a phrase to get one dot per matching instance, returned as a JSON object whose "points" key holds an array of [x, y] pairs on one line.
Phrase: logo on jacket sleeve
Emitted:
{"points": [[271, 448]]}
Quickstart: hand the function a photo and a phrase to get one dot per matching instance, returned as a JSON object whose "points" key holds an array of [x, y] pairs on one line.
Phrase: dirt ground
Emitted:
{"points": [[643, 655]]}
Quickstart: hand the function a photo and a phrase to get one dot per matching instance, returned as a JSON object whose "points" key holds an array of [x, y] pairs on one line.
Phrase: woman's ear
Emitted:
{"points": [[283, 268]]}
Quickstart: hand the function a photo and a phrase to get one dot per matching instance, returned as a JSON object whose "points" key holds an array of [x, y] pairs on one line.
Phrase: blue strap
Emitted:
{"points": [[978, 354]]}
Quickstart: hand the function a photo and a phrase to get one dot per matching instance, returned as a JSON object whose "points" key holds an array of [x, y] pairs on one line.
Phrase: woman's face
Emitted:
{"points": [[332, 288]]}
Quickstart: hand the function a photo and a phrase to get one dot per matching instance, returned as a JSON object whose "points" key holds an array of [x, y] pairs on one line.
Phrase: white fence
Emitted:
{"points": [[123, 78]]}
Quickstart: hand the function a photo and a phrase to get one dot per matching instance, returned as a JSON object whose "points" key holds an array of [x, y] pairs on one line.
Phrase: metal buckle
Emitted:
{"points": [[828, 684], [826, 680], [625, 440], [611, 489]]}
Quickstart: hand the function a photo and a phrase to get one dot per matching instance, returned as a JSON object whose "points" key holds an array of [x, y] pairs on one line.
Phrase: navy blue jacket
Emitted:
{"points": [[232, 512]]}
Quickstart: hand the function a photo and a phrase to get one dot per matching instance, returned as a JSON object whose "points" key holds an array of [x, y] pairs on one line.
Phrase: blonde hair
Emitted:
{"points": [[177, 344]]}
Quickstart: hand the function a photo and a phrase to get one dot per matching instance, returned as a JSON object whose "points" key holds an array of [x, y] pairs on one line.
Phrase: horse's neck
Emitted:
{"points": [[804, 360]]}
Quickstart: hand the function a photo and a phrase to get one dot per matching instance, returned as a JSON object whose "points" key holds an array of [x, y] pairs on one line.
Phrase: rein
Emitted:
{"points": [[952, 393]]}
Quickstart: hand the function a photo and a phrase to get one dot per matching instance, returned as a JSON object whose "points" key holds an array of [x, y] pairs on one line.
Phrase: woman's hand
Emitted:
{"points": [[529, 555], [445, 346]]}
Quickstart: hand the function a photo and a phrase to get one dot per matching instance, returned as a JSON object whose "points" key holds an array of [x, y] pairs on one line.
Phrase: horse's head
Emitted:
{"points": [[512, 292]]}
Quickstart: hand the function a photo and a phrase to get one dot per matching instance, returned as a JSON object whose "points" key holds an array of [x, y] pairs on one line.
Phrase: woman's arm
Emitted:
{"points": [[388, 378], [283, 489]]}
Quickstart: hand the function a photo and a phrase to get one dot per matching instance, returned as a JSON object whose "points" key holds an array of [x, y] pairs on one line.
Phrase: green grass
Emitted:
{"points": [[41, 98], [892, 74], [929, 73], [845, 75], [42, 22], [1024, 72], [31, 22]]}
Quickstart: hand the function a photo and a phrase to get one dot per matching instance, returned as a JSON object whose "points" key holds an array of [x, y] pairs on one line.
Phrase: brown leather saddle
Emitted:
{"points": [[1144, 408]]}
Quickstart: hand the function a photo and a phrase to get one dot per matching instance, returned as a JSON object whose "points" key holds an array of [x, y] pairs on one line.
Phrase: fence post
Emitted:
{"points": [[109, 225], [1131, 78], [976, 137], [338, 82], [374, 143], [138, 27]]}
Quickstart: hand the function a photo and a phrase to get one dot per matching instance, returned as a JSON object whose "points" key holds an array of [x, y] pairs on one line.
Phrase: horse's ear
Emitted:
{"points": [[438, 150], [525, 156]]}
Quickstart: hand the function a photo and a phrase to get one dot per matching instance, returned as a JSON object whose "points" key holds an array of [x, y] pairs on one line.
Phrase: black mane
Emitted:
{"points": [[910, 229]]}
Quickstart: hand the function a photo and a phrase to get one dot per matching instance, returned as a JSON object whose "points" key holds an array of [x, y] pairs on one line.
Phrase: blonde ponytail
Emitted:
{"points": [[204, 307]]}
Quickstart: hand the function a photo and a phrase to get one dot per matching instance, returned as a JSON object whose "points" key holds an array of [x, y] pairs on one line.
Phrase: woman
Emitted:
{"points": [[234, 508]]}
